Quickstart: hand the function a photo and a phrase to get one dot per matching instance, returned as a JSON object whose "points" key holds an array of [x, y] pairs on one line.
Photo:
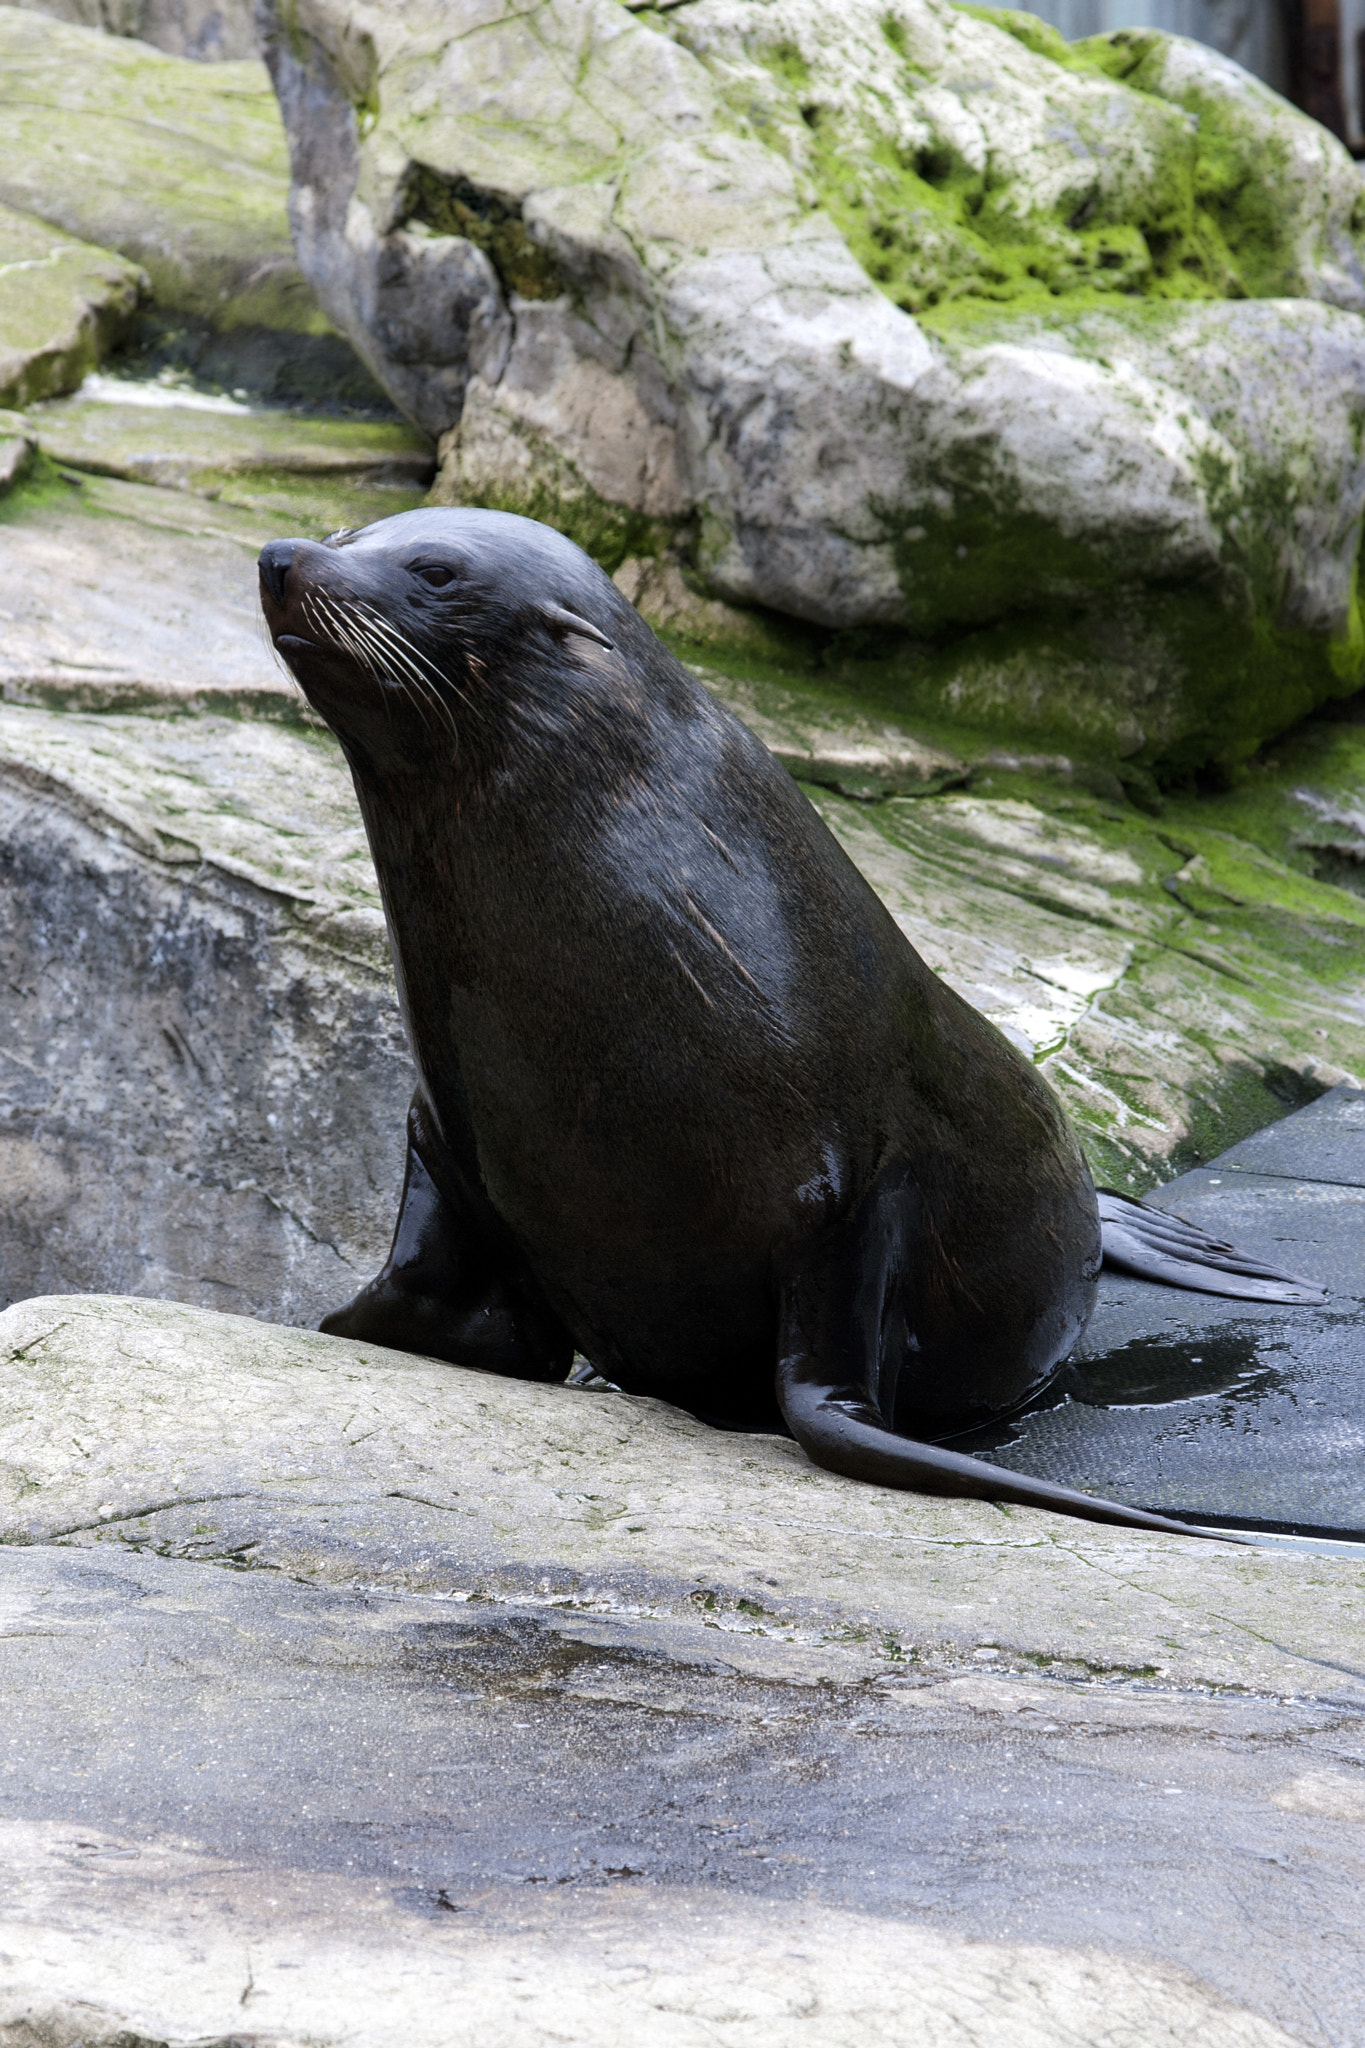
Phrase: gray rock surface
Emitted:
{"points": [[526, 1714], [118, 594], [699, 277], [18, 449], [311, 473], [207, 30], [204, 1075]]}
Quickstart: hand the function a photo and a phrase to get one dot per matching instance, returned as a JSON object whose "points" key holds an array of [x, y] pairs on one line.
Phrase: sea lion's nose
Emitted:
{"points": [[276, 557]]}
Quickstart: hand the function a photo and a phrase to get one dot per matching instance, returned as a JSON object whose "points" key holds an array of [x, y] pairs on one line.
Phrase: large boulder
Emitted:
{"points": [[179, 166], [62, 305], [1044, 361]]}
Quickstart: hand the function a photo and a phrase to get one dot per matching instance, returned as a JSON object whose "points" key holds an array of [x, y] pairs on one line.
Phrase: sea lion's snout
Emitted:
{"points": [[275, 562]]}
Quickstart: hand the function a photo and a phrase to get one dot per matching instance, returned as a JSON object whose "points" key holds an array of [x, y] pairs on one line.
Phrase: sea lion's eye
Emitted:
{"points": [[435, 576]]}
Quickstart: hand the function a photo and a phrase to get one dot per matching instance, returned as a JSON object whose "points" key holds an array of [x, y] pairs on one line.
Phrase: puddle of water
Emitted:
{"points": [[1149, 1373], [1153, 1373]]}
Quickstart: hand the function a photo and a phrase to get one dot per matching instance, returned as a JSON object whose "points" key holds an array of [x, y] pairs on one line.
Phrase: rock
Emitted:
{"points": [[16, 460], [836, 748], [204, 1078], [703, 285], [63, 304], [1087, 935], [18, 448], [329, 1462], [264, 461], [1304, 803], [120, 595], [180, 166], [348, 1695], [211, 30]]}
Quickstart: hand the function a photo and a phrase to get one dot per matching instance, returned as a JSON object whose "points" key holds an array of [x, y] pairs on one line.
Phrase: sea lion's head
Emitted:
{"points": [[422, 624]]}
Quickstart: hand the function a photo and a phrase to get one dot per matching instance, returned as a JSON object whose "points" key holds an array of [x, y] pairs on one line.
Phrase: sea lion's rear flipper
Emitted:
{"points": [[830, 1343], [1155, 1245], [450, 1287], [842, 1432]]}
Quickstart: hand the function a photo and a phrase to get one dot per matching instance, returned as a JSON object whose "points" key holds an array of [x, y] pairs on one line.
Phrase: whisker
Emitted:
{"points": [[384, 653], [414, 672]]}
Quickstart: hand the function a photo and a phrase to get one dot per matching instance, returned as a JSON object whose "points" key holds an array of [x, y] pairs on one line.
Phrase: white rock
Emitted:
{"points": [[704, 349]]}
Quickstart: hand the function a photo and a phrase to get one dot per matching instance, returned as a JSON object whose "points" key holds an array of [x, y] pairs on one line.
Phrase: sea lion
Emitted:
{"points": [[687, 1099]]}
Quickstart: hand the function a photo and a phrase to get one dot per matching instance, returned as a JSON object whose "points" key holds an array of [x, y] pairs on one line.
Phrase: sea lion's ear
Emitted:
{"points": [[565, 621]]}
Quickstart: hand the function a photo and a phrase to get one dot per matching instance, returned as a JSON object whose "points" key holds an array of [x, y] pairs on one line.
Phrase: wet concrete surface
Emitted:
{"points": [[1219, 1410]]}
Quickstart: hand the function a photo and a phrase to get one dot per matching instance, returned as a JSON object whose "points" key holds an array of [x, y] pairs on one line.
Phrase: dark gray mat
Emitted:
{"points": [[1220, 1410]]}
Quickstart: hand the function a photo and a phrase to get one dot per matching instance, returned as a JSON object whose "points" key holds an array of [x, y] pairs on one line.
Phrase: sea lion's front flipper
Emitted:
{"points": [[450, 1287], [1155, 1245]]}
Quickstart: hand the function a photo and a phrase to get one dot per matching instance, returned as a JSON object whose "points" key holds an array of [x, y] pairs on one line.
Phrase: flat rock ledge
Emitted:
{"points": [[526, 1715], [147, 1425]]}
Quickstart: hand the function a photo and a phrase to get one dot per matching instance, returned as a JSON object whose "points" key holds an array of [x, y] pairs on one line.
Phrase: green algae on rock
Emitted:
{"points": [[180, 166], [1044, 183], [62, 305], [1044, 363]]}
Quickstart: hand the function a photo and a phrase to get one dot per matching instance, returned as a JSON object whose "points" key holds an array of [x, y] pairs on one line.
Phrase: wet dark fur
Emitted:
{"points": [[688, 1100]]}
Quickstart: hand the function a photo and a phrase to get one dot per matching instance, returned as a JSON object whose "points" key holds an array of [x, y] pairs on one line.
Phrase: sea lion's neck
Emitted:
{"points": [[492, 908]]}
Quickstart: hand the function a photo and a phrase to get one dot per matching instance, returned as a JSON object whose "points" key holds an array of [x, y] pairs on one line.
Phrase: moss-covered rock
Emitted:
{"points": [[963, 171], [62, 303], [304, 471], [1044, 363], [180, 166]]}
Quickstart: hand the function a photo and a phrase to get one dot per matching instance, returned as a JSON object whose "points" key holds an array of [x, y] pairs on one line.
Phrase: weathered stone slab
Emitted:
{"points": [[151, 1425], [240, 1806], [524, 1708], [180, 166], [62, 304], [122, 594], [282, 466]]}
